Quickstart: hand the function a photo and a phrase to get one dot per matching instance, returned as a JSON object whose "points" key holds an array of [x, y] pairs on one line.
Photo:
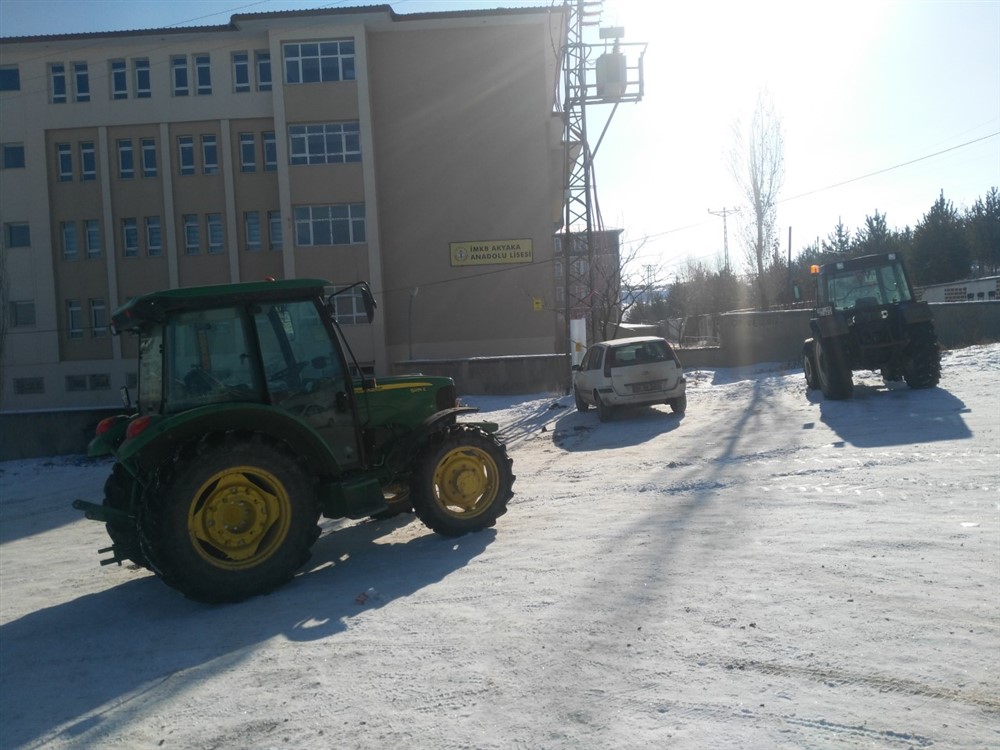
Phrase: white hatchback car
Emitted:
{"points": [[629, 372]]}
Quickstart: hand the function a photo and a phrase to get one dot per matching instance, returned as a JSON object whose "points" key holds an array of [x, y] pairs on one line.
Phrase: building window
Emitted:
{"points": [[179, 73], [209, 155], [28, 386], [76, 383], [274, 228], [126, 160], [143, 86], [263, 65], [119, 80], [185, 154], [213, 227], [88, 162], [70, 248], [349, 308], [81, 82], [248, 153], [313, 62], [251, 220], [329, 143], [10, 78], [130, 238], [98, 319], [241, 72], [13, 156], [192, 236], [270, 151], [22, 314], [99, 381], [92, 238], [64, 157], [340, 224], [57, 80], [74, 319], [203, 74], [154, 241], [17, 234], [148, 146]]}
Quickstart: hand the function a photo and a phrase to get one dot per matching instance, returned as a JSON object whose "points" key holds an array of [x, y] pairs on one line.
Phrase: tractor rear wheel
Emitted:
{"points": [[462, 480], [832, 369], [922, 368], [124, 536], [229, 517]]}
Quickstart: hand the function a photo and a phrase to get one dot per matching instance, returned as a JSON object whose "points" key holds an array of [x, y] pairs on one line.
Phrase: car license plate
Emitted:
{"points": [[654, 385]]}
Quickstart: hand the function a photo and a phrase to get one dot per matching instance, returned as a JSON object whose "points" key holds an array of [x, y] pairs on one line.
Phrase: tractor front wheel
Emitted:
{"points": [[923, 358], [462, 480], [229, 517], [809, 364], [833, 370]]}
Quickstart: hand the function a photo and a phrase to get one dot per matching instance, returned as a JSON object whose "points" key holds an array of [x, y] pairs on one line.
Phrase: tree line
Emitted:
{"points": [[946, 245]]}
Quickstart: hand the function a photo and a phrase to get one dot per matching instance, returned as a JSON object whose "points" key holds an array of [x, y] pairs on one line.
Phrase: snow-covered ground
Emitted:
{"points": [[769, 571]]}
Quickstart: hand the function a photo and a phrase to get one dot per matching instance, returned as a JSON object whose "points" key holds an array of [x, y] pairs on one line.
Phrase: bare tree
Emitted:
{"points": [[618, 286], [757, 163]]}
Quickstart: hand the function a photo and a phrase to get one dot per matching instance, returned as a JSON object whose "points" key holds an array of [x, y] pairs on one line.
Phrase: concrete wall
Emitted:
{"points": [[747, 338]]}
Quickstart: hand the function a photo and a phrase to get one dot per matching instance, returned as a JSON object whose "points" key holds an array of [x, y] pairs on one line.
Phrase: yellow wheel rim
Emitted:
{"points": [[466, 481], [239, 517]]}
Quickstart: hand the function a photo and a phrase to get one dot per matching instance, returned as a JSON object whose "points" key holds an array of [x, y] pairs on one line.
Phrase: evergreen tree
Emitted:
{"points": [[838, 243], [983, 228], [940, 249], [875, 237]]}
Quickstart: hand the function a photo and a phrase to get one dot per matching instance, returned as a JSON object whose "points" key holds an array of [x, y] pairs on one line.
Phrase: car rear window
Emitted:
{"points": [[640, 352]]}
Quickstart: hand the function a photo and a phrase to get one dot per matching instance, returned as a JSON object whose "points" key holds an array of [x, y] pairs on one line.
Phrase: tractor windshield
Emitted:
{"points": [[847, 289]]}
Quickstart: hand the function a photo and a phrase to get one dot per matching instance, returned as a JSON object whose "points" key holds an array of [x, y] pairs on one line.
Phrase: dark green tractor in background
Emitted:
{"points": [[253, 419], [867, 318]]}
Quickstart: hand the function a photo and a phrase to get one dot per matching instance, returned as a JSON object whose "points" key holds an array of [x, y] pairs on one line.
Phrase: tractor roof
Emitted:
{"points": [[155, 307], [863, 261]]}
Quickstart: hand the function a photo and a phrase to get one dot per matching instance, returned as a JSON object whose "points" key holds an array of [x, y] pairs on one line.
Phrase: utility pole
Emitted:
{"points": [[724, 212]]}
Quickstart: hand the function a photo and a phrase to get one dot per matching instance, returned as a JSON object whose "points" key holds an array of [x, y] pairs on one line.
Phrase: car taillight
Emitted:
{"points": [[138, 426], [106, 424]]}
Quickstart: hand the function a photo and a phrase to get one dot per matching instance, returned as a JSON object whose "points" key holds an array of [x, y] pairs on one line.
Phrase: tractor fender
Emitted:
{"points": [[829, 326], [166, 434]]}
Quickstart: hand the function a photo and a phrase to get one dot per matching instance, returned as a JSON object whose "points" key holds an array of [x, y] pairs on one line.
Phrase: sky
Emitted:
{"points": [[884, 106]]}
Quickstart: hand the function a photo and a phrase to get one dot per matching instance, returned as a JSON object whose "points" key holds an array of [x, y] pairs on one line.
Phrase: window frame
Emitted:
{"points": [[64, 162], [126, 159], [275, 232], [316, 221], [241, 72], [118, 78], [301, 61], [69, 241], [130, 237], [147, 148], [88, 153], [142, 76], [98, 318], [269, 145], [10, 78], [81, 82], [58, 92], [22, 319], [154, 236], [248, 152], [192, 234], [8, 153], [203, 74], [180, 76], [16, 234], [209, 154], [185, 155], [215, 233], [264, 72], [252, 229], [92, 238], [74, 319], [324, 143]]}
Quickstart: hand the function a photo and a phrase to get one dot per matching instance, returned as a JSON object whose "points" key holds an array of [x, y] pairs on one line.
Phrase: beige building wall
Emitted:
{"points": [[459, 143]]}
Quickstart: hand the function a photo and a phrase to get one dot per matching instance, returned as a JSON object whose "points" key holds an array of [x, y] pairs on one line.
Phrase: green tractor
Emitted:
{"points": [[253, 419], [868, 319]]}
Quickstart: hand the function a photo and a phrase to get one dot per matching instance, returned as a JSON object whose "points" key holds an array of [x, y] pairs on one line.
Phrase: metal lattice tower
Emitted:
{"points": [[577, 241]]}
